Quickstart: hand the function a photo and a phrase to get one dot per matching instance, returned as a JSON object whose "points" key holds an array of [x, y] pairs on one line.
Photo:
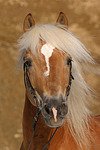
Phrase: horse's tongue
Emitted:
{"points": [[54, 114]]}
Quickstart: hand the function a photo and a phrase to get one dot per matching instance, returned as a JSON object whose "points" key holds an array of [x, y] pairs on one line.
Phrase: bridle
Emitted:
{"points": [[70, 79], [35, 98]]}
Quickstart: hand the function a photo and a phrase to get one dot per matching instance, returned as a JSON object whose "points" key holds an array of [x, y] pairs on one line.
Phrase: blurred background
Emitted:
{"points": [[84, 21]]}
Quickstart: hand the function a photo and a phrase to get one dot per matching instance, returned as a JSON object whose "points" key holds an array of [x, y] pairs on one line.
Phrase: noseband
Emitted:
{"points": [[35, 98]]}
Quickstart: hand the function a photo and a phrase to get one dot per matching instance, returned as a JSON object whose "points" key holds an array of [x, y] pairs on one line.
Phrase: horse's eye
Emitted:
{"points": [[69, 61], [28, 62]]}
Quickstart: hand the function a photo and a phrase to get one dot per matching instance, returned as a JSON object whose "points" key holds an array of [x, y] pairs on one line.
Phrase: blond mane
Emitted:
{"points": [[61, 38]]}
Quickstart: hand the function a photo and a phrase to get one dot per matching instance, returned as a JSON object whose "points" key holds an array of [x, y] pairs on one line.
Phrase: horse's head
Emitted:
{"points": [[49, 72]]}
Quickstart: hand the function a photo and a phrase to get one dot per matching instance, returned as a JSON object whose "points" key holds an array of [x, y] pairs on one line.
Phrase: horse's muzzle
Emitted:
{"points": [[54, 112]]}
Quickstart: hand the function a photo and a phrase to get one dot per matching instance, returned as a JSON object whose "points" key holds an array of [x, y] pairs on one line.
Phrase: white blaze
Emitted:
{"points": [[47, 51]]}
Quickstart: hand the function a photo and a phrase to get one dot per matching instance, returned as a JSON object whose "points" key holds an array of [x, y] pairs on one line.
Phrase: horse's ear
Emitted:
{"points": [[62, 19], [28, 22]]}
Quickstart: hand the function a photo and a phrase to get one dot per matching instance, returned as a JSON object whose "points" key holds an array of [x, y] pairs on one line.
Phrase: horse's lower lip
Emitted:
{"points": [[51, 123]]}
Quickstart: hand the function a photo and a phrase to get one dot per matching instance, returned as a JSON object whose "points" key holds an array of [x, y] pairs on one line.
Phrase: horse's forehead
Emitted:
{"points": [[47, 50]]}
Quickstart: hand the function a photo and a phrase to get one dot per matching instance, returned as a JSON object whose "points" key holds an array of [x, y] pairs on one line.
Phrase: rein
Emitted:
{"points": [[35, 98]]}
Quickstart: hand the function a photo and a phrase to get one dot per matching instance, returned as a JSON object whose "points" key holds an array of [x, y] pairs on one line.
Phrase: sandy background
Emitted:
{"points": [[84, 21]]}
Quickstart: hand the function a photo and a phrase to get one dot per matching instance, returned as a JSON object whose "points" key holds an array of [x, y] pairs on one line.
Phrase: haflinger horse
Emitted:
{"points": [[56, 92]]}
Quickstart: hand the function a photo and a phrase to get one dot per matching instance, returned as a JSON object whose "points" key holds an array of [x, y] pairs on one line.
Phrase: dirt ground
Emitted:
{"points": [[84, 21]]}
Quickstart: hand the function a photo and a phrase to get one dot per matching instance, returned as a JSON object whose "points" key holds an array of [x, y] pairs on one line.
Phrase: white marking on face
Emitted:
{"points": [[47, 51], [54, 114]]}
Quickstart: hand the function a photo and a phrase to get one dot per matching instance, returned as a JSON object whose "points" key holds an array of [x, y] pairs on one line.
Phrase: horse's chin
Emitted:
{"points": [[51, 122]]}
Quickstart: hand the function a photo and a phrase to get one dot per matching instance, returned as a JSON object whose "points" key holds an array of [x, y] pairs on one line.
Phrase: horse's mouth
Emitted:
{"points": [[54, 112], [51, 122]]}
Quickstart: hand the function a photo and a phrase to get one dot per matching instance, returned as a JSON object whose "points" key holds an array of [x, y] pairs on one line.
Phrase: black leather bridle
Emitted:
{"points": [[35, 97]]}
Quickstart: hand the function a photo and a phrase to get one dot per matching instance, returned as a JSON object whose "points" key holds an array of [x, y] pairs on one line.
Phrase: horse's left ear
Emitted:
{"points": [[28, 22], [62, 19]]}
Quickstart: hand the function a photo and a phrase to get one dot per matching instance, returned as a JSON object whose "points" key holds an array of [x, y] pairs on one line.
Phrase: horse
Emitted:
{"points": [[52, 59]]}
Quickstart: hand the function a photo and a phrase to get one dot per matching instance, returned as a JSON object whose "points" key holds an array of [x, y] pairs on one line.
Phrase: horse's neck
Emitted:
{"points": [[63, 140], [41, 132]]}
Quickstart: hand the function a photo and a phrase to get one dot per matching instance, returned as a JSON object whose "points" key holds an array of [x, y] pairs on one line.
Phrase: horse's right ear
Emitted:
{"points": [[28, 22]]}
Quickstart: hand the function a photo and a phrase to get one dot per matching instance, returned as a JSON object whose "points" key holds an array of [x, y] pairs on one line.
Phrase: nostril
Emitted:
{"points": [[63, 110], [48, 110]]}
